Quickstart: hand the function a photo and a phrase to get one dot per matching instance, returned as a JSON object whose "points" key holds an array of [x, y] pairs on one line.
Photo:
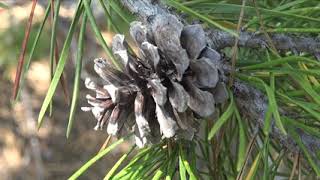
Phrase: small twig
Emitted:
{"points": [[217, 146], [105, 144], [263, 29], [169, 144], [299, 168], [56, 57], [295, 164], [249, 149], [23, 51], [63, 81], [235, 47]]}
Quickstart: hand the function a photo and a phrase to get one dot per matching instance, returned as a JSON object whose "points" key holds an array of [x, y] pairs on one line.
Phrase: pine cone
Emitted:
{"points": [[165, 89]]}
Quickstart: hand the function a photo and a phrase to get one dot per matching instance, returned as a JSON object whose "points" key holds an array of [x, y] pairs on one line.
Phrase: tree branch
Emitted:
{"points": [[145, 9], [282, 42], [252, 102]]}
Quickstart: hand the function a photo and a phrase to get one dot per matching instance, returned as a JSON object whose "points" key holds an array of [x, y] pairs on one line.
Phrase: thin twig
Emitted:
{"points": [[23, 50], [299, 168], [105, 144], [56, 57], [295, 164], [263, 29], [235, 47], [248, 152]]}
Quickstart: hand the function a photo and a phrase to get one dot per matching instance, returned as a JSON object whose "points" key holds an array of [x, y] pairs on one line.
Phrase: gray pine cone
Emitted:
{"points": [[162, 91]]}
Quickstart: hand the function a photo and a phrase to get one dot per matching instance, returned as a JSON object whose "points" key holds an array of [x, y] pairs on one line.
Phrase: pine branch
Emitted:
{"points": [[252, 102], [282, 42]]}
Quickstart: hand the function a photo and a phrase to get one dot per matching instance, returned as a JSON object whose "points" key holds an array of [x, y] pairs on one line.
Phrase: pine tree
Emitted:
{"points": [[209, 89]]}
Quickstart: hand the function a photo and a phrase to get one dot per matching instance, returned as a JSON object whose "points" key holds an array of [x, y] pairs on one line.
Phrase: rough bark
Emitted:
{"points": [[282, 42]]}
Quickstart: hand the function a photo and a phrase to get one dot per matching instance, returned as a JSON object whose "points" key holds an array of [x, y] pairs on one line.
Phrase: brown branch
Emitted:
{"points": [[252, 102]]}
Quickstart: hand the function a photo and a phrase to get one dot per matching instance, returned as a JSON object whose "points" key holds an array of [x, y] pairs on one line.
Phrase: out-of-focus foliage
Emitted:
{"points": [[11, 40]]}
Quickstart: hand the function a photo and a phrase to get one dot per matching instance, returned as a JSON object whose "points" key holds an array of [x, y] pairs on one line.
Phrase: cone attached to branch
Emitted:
{"points": [[164, 90]]}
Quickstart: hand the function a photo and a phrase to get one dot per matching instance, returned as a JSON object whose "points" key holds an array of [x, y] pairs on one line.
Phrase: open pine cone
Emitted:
{"points": [[164, 90]]}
